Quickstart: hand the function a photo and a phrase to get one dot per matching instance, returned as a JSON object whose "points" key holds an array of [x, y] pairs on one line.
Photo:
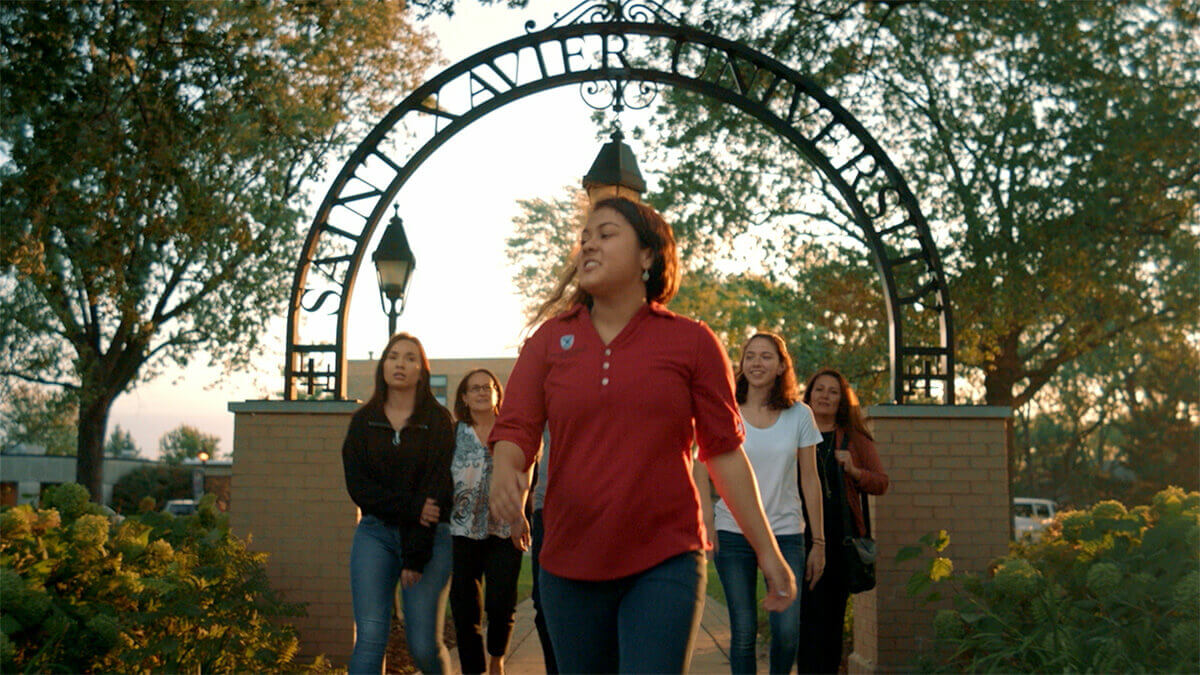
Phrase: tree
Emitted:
{"points": [[157, 154], [160, 483], [1052, 147], [1041, 141], [1116, 424], [34, 416], [187, 442], [120, 444]]}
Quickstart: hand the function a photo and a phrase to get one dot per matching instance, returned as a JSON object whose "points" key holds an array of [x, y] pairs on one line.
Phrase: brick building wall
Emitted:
{"points": [[291, 502], [948, 471]]}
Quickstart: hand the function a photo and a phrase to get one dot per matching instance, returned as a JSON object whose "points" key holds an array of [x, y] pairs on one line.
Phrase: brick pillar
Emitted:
{"points": [[290, 500], [948, 471]]}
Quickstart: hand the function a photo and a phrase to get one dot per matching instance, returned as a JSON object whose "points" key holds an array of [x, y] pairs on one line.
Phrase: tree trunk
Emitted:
{"points": [[104, 377], [89, 465], [998, 382]]}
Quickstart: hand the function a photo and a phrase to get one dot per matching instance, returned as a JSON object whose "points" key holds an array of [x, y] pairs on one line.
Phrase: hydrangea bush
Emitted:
{"points": [[1108, 589], [152, 593]]}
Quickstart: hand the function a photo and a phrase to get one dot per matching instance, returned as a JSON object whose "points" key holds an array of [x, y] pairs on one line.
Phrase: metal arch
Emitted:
{"points": [[920, 351]]}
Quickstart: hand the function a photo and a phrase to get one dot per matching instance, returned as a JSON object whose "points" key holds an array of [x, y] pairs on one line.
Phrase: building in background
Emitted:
{"points": [[26, 474]]}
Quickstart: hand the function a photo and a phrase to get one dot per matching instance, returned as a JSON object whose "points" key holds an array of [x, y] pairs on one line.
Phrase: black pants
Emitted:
{"points": [[822, 613], [500, 562], [539, 616]]}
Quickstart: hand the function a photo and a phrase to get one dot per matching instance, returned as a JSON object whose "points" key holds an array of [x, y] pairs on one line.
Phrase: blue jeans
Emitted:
{"points": [[737, 566], [643, 623], [375, 566], [538, 531]]}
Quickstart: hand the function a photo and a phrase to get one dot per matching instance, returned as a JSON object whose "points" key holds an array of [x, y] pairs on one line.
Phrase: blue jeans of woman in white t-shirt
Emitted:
{"points": [[737, 566]]}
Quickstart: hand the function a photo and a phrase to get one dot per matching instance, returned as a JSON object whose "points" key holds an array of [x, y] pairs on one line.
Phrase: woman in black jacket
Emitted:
{"points": [[397, 458]]}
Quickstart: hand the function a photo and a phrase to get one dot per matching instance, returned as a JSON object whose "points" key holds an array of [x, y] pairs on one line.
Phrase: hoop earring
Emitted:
{"points": [[645, 275]]}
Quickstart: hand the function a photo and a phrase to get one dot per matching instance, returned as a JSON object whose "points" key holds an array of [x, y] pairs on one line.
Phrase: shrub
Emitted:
{"points": [[1108, 589], [154, 593], [160, 483]]}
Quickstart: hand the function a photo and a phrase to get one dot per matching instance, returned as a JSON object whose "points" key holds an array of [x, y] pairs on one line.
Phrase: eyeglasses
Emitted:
{"points": [[481, 388]]}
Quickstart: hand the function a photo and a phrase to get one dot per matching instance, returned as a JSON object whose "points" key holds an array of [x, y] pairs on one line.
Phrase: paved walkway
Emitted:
{"points": [[709, 656]]}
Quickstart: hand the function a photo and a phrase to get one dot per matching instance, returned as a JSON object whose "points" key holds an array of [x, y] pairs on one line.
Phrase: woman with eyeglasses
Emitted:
{"points": [[397, 458], [626, 387], [482, 545]]}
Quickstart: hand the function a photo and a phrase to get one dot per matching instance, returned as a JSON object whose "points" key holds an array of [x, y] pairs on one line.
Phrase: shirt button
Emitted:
{"points": [[608, 352], [606, 365], [604, 381]]}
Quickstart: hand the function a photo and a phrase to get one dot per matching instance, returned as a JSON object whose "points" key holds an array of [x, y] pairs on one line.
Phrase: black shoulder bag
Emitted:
{"points": [[858, 552]]}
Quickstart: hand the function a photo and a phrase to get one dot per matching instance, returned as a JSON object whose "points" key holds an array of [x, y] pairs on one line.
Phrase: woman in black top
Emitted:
{"points": [[847, 451], [397, 458]]}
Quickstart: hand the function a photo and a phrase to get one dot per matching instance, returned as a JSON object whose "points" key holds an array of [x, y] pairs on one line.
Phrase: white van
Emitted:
{"points": [[1031, 515]]}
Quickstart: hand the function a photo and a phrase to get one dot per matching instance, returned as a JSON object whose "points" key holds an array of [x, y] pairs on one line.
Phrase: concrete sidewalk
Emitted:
{"points": [[710, 654]]}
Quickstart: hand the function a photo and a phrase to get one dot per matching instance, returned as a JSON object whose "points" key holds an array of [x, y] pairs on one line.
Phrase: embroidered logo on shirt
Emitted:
{"points": [[566, 341]]}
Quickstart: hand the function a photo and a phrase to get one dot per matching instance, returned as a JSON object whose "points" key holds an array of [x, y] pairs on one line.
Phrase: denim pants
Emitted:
{"points": [[737, 567], [499, 562], [539, 613], [375, 566], [643, 623]]}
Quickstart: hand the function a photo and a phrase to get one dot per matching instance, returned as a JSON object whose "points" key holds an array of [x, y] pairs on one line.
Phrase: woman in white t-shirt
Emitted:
{"points": [[779, 431]]}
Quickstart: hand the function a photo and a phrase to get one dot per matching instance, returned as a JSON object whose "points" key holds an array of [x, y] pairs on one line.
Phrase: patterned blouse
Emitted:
{"points": [[472, 472]]}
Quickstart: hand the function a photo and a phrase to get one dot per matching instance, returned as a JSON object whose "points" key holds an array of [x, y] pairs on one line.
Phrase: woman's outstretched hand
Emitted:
{"points": [[522, 538], [781, 583], [510, 485]]}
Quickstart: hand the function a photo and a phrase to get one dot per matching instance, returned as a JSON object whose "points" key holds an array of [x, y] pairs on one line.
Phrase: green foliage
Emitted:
{"points": [[34, 416], [157, 160], [1042, 140], [120, 444], [1116, 424], [154, 593], [1108, 589], [154, 483], [187, 442]]}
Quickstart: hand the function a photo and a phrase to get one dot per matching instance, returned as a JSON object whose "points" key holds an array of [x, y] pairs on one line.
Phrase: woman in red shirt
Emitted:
{"points": [[626, 387]]}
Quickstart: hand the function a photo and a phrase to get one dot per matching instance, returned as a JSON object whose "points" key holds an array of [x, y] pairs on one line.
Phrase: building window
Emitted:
{"points": [[8, 493], [438, 384]]}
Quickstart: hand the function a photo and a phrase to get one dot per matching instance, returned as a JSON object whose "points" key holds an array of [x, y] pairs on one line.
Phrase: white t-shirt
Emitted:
{"points": [[772, 454]]}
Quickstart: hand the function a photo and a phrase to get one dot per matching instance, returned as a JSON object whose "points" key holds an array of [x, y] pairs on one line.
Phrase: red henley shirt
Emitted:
{"points": [[620, 496]]}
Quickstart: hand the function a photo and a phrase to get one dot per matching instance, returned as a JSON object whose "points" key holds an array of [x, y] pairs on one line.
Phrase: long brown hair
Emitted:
{"points": [[784, 392], [424, 392], [462, 412], [653, 233], [849, 414]]}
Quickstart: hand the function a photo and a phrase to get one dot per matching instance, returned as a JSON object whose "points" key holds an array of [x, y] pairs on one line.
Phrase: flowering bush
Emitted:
{"points": [[1108, 589], [153, 593]]}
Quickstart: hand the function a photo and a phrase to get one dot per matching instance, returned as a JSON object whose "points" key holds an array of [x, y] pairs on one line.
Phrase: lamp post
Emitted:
{"points": [[615, 172], [198, 476], [394, 265]]}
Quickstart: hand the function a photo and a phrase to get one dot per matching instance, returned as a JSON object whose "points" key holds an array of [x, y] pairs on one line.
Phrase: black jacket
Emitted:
{"points": [[391, 480]]}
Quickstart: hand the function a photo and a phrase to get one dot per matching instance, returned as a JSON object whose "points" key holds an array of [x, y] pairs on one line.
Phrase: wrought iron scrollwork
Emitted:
{"points": [[612, 11], [921, 351], [615, 94]]}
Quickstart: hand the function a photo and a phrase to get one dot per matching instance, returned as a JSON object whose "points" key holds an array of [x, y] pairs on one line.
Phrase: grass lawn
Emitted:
{"points": [[525, 581]]}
